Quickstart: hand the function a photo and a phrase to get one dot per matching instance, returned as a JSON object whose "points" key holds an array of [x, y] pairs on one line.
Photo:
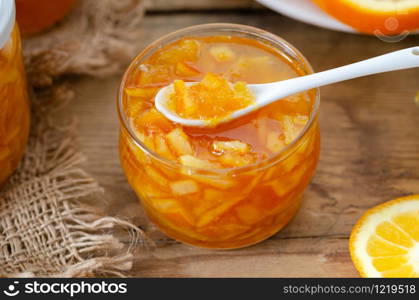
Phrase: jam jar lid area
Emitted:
{"points": [[7, 20]]}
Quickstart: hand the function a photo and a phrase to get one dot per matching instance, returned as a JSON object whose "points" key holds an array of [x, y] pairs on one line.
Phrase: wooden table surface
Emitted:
{"points": [[370, 147]]}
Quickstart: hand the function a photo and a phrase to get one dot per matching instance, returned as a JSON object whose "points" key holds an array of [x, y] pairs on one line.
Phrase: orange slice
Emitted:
{"points": [[382, 17], [385, 241], [34, 16]]}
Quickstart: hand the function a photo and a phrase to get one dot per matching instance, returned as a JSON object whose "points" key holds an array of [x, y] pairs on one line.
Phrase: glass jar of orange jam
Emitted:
{"points": [[14, 105], [235, 184], [34, 16]]}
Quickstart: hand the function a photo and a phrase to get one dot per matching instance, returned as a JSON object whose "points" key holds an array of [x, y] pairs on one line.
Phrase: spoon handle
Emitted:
{"points": [[399, 60]]}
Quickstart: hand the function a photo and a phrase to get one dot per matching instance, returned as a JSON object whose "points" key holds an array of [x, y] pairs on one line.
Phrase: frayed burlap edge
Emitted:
{"points": [[48, 229]]}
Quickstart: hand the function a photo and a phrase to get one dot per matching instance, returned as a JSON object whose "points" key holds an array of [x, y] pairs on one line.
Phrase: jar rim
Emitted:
{"points": [[7, 20], [231, 28]]}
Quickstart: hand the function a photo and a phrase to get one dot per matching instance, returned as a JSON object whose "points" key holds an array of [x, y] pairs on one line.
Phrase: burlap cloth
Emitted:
{"points": [[47, 226]]}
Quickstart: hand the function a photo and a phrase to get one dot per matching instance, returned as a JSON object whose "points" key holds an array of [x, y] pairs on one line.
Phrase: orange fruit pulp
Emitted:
{"points": [[211, 99]]}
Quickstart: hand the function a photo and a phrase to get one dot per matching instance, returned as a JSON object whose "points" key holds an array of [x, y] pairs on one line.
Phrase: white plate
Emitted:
{"points": [[307, 12]]}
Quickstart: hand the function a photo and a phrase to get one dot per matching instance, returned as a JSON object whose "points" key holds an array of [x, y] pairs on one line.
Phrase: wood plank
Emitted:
{"points": [[370, 146], [170, 5], [312, 257]]}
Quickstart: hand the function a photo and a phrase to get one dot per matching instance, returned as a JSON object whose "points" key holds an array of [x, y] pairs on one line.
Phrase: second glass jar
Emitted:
{"points": [[14, 104]]}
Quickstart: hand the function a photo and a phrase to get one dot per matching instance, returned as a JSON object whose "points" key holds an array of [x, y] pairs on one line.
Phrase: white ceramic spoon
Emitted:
{"points": [[270, 92]]}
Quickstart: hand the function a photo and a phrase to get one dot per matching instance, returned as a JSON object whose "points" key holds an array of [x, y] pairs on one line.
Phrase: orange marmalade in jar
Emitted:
{"points": [[35, 16], [14, 105], [235, 184]]}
